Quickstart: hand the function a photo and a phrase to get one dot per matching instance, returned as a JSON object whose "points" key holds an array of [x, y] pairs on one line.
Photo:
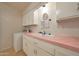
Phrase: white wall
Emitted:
{"points": [[51, 15], [66, 9], [51, 10], [10, 23]]}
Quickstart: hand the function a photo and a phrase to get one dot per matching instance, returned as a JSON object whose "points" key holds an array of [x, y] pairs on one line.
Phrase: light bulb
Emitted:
{"points": [[45, 10], [57, 12]]}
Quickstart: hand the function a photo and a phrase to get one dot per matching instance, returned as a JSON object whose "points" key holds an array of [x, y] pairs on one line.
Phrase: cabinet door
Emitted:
{"points": [[41, 52], [25, 20], [31, 18], [30, 51], [66, 12], [25, 46], [43, 45], [46, 47], [36, 15], [28, 48], [59, 51]]}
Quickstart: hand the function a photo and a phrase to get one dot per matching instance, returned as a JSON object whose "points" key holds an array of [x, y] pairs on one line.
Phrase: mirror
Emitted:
{"points": [[45, 16]]}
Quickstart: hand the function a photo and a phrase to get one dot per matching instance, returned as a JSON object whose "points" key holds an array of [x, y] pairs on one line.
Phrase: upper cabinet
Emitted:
{"points": [[66, 10], [25, 19], [30, 18], [67, 14], [36, 16]]}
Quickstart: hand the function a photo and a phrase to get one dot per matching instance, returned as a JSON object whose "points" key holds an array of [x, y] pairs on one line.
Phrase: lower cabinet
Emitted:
{"points": [[31, 48], [41, 52], [28, 48], [35, 47], [59, 51]]}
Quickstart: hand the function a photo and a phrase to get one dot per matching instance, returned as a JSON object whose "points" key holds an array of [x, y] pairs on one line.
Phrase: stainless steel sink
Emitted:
{"points": [[49, 36]]}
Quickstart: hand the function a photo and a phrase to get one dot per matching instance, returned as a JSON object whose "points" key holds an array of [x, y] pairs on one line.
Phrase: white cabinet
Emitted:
{"points": [[41, 52], [32, 46], [27, 47], [59, 51], [49, 48], [18, 41], [36, 15], [25, 20], [35, 47], [30, 18], [63, 11]]}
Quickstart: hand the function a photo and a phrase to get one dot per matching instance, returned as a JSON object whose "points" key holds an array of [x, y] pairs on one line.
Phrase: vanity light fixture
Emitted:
{"points": [[43, 5], [45, 9], [58, 12]]}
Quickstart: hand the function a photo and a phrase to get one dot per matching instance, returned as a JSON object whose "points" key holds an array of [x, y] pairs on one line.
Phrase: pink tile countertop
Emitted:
{"points": [[71, 43]]}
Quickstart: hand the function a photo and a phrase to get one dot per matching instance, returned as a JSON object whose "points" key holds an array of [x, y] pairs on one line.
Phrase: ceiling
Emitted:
{"points": [[18, 5]]}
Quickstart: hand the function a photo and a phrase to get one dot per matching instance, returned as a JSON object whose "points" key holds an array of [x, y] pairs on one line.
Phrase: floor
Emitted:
{"points": [[11, 52]]}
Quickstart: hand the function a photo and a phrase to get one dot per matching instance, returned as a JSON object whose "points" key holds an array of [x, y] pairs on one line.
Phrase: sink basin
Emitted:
{"points": [[49, 36]]}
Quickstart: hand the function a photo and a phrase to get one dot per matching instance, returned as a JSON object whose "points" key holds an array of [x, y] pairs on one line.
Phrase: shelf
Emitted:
{"points": [[68, 19], [69, 22], [30, 25]]}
